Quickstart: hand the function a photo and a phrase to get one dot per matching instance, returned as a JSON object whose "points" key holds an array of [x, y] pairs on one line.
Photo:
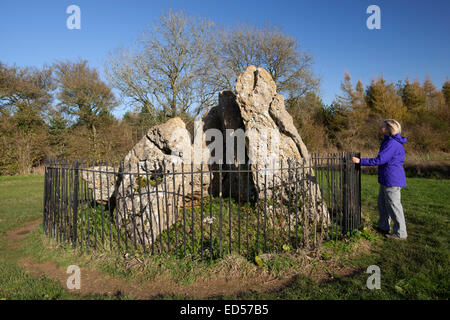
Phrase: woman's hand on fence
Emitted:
{"points": [[355, 160]]}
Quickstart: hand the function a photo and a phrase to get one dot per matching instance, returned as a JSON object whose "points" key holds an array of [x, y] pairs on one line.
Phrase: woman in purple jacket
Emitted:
{"points": [[391, 177]]}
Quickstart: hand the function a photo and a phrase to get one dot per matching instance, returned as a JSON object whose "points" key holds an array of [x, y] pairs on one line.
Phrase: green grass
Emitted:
{"points": [[16, 284], [21, 200], [415, 269]]}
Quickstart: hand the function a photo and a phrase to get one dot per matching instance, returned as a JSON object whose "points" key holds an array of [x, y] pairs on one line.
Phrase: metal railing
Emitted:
{"points": [[202, 211]]}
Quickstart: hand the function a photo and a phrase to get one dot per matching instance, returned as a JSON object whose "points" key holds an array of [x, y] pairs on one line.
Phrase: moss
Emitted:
{"points": [[142, 182]]}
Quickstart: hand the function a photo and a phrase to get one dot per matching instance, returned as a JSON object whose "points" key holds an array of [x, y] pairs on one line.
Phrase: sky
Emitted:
{"points": [[413, 41]]}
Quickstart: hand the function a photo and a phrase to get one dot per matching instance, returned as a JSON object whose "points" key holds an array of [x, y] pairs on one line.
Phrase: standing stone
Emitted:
{"points": [[150, 193], [271, 142]]}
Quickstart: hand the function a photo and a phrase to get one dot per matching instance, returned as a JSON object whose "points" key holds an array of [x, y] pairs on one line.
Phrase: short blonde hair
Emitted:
{"points": [[392, 126]]}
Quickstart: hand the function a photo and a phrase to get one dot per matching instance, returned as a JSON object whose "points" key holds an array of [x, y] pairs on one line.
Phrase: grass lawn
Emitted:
{"points": [[412, 269], [20, 202]]}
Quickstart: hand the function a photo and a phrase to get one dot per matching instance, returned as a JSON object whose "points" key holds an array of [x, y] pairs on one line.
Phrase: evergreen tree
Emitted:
{"points": [[57, 131], [431, 95], [84, 97], [348, 115], [413, 97], [346, 100], [446, 92], [383, 100]]}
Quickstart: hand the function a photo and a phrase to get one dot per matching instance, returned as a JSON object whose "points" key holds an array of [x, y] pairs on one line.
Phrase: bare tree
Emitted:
{"points": [[267, 47], [169, 72], [178, 66]]}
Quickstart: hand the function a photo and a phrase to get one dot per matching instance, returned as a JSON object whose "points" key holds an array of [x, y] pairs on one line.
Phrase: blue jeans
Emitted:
{"points": [[390, 207]]}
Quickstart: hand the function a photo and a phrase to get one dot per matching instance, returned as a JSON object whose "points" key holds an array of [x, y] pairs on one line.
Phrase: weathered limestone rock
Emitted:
{"points": [[152, 187], [271, 141], [261, 108], [100, 179]]}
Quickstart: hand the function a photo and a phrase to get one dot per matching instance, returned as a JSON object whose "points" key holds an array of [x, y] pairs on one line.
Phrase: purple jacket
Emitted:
{"points": [[390, 161]]}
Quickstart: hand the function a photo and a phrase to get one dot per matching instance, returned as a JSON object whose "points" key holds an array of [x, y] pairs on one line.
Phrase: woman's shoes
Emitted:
{"points": [[392, 236]]}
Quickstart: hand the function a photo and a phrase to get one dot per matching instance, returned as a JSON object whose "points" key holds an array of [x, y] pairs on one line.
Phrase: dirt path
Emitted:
{"points": [[94, 282], [19, 234]]}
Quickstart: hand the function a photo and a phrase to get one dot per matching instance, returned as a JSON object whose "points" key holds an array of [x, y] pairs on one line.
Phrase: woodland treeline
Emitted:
{"points": [[176, 68]]}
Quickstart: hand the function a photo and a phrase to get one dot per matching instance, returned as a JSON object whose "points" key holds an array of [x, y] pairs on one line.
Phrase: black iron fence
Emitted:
{"points": [[202, 211]]}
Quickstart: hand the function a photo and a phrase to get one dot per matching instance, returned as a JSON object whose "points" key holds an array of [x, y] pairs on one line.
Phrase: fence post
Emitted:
{"points": [[44, 218], [75, 204], [345, 193], [358, 170]]}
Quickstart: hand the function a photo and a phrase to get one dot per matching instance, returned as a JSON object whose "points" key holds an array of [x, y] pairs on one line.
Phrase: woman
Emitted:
{"points": [[391, 177]]}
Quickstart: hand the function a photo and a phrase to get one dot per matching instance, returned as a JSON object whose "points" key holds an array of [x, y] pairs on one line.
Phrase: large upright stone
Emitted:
{"points": [[262, 108], [152, 187], [272, 142]]}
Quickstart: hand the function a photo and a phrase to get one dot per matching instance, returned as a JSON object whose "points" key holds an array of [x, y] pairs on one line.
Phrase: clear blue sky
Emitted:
{"points": [[414, 39]]}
